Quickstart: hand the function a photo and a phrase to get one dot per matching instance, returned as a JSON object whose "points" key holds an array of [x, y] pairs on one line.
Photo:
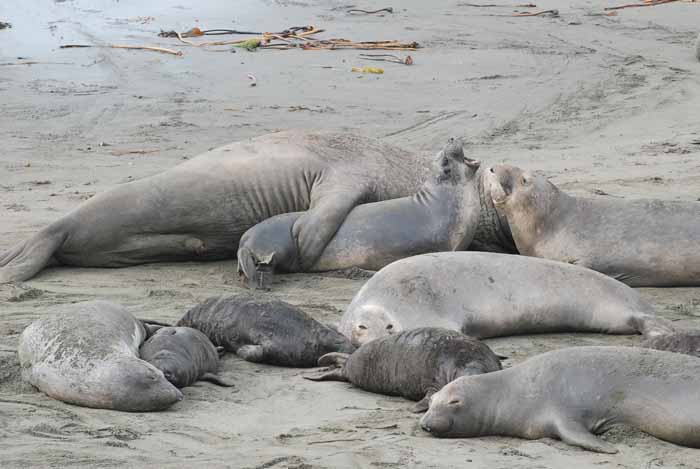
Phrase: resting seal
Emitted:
{"points": [[413, 364], [490, 295], [265, 330], [643, 243], [184, 355], [687, 342], [573, 393], [199, 209], [442, 216], [88, 356]]}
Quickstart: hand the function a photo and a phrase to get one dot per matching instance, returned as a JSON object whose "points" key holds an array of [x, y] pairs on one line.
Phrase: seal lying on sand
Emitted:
{"points": [[88, 355], [687, 342], [641, 242], [198, 210], [489, 295], [265, 330], [414, 364], [184, 355], [574, 393], [442, 216]]}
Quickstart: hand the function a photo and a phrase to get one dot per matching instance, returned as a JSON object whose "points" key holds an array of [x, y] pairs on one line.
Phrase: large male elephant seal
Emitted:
{"points": [[198, 210], [572, 394], [413, 364], [265, 330], [640, 242], [490, 295], [184, 355], [442, 216], [89, 356]]}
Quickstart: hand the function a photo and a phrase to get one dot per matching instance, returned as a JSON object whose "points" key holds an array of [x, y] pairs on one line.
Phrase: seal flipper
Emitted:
{"points": [[423, 405], [257, 272], [333, 375], [333, 359], [574, 433], [216, 379], [251, 353], [30, 257], [652, 326]]}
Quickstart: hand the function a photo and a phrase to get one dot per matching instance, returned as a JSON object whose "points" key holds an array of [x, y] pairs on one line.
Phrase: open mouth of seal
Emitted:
{"points": [[472, 163], [499, 187]]}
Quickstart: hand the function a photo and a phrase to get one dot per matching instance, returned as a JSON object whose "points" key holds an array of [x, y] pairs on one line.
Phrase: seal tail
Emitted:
{"points": [[336, 359], [29, 258], [653, 326]]}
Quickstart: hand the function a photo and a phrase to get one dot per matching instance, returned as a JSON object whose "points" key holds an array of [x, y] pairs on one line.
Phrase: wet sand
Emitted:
{"points": [[608, 106]]}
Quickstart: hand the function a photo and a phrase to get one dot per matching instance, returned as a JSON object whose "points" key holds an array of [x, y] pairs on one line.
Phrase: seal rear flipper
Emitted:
{"points": [[216, 379], [251, 353], [333, 375], [652, 326], [29, 258], [574, 433], [256, 272], [333, 359]]}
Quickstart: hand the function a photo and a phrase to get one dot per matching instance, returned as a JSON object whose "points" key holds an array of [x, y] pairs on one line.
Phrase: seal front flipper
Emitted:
{"points": [[574, 433], [29, 258], [256, 272], [251, 353], [216, 379], [333, 375], [423, 405]]}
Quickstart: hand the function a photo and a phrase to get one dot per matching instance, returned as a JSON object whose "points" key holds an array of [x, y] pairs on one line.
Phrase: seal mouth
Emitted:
{"points": [[472, 163], [498, 188]]}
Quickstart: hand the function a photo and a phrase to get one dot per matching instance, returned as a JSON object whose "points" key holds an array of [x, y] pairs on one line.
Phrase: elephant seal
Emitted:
{"points": [[643, 243], [442, 216], [697, 47], [687, 342], [491, 295], [184, 355], [265, 330], [199, 209], [88, 356], [572, 394], [413, 364]]}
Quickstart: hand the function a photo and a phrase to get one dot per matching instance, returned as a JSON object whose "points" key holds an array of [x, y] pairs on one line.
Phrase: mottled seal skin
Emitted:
{"points": [[572, 394], [265, 330], [687, 342], [442, 216], [199, 209], [184, 355], [491, 295], [413, 364], [643, 243], [88, 356]]}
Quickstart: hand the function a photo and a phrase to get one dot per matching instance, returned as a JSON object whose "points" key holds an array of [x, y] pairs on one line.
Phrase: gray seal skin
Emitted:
{"points": [[88, 355], [442, 216], [574, 393], [492, 295], [687, 342], [697, 47], [265, 330], [199, 209], [413, 364], [184, 355], [644, 243]]}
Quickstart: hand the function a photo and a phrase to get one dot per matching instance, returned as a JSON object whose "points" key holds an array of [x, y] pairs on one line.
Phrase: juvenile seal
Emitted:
{"points": [[265, 330], [88, 356], [572, 394], [442, 216], [687, 342], [643, 243], [199, 209], [490, 295], [184, 355], [413, 364]]}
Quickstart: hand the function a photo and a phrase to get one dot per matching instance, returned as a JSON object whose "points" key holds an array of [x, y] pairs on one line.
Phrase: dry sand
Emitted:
{"points": [[607, 105]]}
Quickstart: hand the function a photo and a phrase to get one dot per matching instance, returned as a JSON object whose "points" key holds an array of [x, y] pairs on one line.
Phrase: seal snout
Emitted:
{"points": [[438, 425], [178, 395]]}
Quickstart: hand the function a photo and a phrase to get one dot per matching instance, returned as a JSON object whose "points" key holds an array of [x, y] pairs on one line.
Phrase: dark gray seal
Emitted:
{"points": [[572, 394], [265, 330], [88, 356], [491, 295], [184, 355], [413, 364], [687, 342], [442, 216], [639, 242], [198, 210]]}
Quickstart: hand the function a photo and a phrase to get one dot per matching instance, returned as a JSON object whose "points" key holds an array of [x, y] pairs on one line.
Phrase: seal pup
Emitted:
{"points": [[493, 295], [413, 364], [88, 355], [687, 342], [442, 216], [644, 243], [265, 330], [574, 393], [184, 355]]}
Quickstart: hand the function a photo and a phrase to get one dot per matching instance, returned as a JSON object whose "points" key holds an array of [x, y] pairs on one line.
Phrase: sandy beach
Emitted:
{"points": [[607, 106]]}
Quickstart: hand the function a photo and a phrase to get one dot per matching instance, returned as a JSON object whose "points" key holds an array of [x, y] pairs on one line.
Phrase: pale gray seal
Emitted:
{"points": [[413, 364], [88, 356], [489, 295], [639, 242], [199, 209], [265, 330], [184, 355], [572, 394], [442, 216]]}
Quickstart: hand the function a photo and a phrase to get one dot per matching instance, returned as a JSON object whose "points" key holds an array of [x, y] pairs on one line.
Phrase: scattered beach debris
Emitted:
{"points": [[119, 46], [371, 12], [376, 70], [547, 13], [249, 44], [646, 3], [132, 152], [5, 25], [490, 5], [408, 60]]}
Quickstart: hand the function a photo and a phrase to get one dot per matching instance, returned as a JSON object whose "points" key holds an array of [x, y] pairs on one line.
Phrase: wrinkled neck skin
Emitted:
{"points": [[494, 412], [493, 233]]}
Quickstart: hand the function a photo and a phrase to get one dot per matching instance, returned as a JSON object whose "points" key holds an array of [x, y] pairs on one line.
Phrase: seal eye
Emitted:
{"points": [[362, 327], [524, 180], [389, 327]]}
